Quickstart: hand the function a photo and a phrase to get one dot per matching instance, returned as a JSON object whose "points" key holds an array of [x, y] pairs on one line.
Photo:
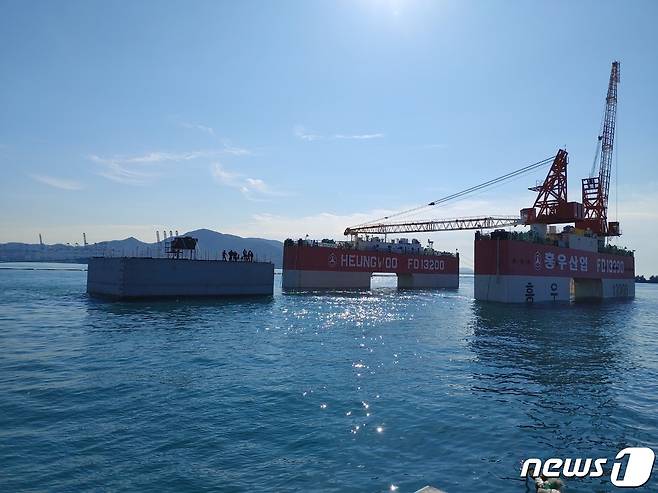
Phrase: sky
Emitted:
{"points": [[281, 119]]}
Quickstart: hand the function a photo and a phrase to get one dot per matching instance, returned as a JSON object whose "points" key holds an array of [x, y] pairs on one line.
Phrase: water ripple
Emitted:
{"points": [[377, 391]]}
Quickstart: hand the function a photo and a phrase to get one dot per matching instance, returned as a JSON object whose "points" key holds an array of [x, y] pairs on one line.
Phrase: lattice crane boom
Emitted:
{"points": [[437, 225], [386, 226], [608, 137], [596, 189]]}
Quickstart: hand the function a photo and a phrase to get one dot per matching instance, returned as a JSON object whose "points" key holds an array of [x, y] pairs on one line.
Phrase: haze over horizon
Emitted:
{"points": [[278, 120]]}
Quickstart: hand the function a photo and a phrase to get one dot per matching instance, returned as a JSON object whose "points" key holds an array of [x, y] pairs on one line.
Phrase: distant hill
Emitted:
{"points": [[211, 244]]}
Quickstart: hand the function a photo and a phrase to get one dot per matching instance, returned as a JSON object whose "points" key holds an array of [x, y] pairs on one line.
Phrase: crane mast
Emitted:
{"points": [[608, 137], [596, 189]]}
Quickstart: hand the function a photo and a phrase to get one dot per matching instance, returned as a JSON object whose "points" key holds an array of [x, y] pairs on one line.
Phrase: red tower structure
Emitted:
{"points": [[551, 205]]}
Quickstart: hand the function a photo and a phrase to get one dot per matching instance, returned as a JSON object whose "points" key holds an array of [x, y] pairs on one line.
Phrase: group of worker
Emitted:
{"points": [[232, 256]]}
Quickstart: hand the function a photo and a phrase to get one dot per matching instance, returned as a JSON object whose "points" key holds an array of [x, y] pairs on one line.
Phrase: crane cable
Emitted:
{"points": [[599, 138], [464, 192]]}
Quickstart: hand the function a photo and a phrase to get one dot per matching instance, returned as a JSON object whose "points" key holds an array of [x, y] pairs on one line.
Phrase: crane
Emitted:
{"points": [[596, 189], [551, 205], [385, 226]]}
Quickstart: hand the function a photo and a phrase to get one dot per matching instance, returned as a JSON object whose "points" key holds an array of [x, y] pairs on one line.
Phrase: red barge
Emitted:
{"points": [[525, 268], [577, 263], [327, 264]]}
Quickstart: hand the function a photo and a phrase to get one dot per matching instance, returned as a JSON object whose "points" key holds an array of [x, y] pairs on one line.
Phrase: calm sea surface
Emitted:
{"points": [[316, 392]]}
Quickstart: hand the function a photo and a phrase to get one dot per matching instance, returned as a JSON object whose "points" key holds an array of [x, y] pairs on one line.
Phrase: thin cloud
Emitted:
{"points": [[140, 169], [225, 177], [302, 133], [54, 182], [151, 157], [252, 188], [125, 175], [234, 150], [228, 147], [197, 126], [359, 136], [310, 136]]}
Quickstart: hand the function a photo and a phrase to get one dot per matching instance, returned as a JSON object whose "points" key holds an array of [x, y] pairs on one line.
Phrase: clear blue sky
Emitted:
{"points": [[282, 118]]}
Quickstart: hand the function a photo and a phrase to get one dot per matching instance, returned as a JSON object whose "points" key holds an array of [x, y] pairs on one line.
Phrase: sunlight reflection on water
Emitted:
{"points": [[333, 391]]}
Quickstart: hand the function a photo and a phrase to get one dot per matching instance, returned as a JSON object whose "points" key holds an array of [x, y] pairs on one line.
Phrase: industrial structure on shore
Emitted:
{"points": [[543, 264]]}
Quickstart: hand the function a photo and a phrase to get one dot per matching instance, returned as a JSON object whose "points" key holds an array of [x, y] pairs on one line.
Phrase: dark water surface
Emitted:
{"points": [[317, 392]]}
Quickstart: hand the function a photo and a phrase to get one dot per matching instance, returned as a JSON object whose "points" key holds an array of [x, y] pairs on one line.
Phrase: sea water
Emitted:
{"points": [[373, 391]]}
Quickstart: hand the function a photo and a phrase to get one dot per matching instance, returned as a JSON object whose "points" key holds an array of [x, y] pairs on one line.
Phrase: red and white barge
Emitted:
{"points": [[526, 268], [327, 264]]}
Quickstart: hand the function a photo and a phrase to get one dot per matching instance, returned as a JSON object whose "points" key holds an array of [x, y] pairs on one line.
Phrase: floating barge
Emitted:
{"points": [[176, 276], [138, 277], [526, 268], [577, 263], [328, 264]]}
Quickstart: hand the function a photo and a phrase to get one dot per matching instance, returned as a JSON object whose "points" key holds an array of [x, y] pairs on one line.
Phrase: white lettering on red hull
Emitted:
{"points": [[425, 264], [610, 266], [368, 261], [522, 258], [351, 260]]}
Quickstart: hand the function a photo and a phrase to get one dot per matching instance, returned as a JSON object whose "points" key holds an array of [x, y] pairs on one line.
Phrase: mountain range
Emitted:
{"points": [[210, 245]]}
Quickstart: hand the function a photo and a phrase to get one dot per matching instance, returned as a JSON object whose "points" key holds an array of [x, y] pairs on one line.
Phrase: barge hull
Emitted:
{"points": [[134, 278], [512, 271], [318, 267]]}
